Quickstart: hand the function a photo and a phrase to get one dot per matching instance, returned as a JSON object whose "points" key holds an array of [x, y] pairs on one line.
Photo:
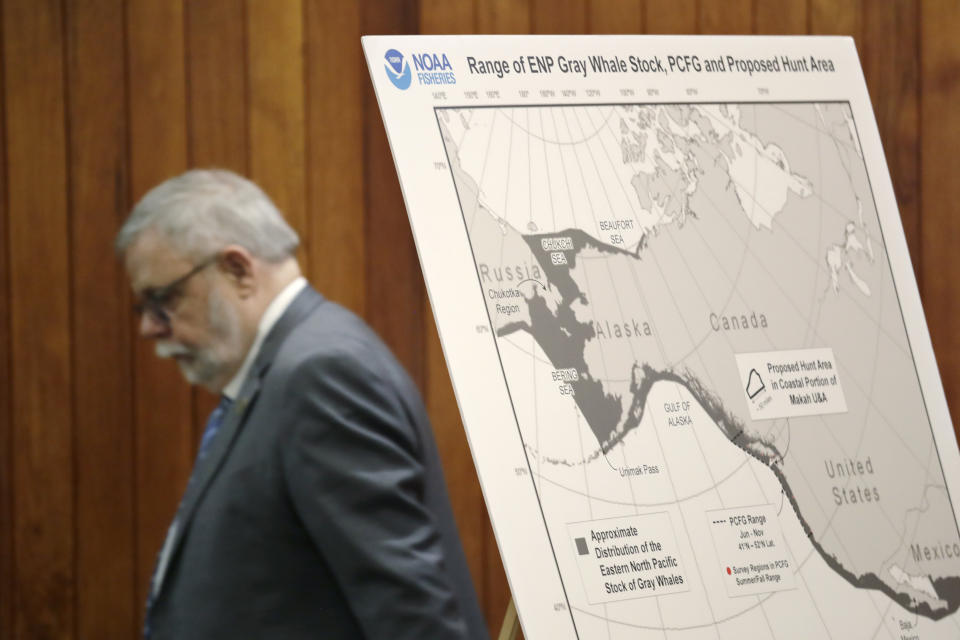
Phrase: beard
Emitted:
{"points": [[204, 365]]}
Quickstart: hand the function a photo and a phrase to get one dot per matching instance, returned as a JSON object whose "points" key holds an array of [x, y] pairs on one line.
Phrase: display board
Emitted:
{"points": [[675, 299]]}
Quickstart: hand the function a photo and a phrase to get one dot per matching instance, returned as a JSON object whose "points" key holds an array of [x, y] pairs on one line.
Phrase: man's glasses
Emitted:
{"points": [[156, 300]]}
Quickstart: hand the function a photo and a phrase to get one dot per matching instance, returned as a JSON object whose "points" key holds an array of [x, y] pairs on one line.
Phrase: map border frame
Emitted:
{"points": [[889, 264]]}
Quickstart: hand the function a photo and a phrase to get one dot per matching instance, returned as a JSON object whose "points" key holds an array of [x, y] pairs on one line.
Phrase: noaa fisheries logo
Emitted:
{"points": [[398, 69]]}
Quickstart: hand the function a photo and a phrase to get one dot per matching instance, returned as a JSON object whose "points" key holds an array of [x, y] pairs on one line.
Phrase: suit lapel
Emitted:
{"points": [[305, 302]]}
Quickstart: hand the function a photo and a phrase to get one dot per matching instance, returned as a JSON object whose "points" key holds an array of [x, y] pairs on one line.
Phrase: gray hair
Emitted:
{"points": [[203, 210]]}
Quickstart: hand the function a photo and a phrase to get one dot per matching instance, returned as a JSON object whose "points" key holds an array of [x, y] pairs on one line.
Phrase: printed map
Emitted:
{"points": [[703, 343]]}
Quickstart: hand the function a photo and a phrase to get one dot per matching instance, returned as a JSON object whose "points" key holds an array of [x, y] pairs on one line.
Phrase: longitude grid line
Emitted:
{"points": [[830, 432], [699, 446], [593, 213], [506, 386], [607, 263], [612, 280], [760, 486], [829, 523], [533, 341], [699, 356], [689, 270], [838, 443], [812, 324], [563, 165], [669, 233], [904, 321], [830, 206], [684, 322], [807, 318], [623, 451], [483, 170], [916, 526], [924, 503], [803, 249], [752, 470], [816, 300], [854, 379], [576, 409], [619, 306], [663, 356], [645, 304], [546, 168]]}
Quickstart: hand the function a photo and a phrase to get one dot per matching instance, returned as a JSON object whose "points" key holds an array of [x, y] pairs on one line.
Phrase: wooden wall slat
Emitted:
{"points": [[217, 82], [102, 354], [163, 434], [891, 65], [444, 17], [277, 110], [789, 17], [395, 290], [503, 16], [217, 106], [829, 17], [615, 16], [334, 150], [7, 566], [940, 189], [558, 16], [728, 16], [36, 146], [670, 16]]}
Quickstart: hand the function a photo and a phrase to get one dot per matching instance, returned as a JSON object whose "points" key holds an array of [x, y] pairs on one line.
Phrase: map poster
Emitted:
{"points": [[678, 311]]}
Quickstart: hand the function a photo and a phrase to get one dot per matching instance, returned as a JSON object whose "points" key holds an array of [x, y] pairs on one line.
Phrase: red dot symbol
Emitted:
{"points": [[728, 571]]}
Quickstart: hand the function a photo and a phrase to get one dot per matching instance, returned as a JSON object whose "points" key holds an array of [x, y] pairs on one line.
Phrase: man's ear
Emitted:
{"points": [[238, 266]]}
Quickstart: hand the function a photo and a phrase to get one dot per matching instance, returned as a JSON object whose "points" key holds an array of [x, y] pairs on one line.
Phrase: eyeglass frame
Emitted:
{"points": [[155, 300]]}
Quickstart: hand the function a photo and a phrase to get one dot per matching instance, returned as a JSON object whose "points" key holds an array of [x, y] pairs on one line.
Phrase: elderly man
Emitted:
{"points": [[317, 506]]}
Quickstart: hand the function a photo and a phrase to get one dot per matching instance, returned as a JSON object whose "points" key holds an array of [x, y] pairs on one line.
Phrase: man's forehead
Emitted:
{"points": [[151, 260]]}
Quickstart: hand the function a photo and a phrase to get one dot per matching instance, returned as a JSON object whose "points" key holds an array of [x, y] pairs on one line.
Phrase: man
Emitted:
{"points": [[317, 506]]}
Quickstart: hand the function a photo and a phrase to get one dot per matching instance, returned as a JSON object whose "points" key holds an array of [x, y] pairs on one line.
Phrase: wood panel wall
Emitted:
{"points": [[102, 99]]}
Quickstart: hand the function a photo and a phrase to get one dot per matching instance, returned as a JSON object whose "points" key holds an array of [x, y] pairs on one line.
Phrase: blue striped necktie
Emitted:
{"points": [[209, 432], [213, 424]]}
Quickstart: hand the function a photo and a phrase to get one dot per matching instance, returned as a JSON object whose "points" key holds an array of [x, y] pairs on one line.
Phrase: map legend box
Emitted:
{"points": [[629, 557], [749, 544], [791, 383]]}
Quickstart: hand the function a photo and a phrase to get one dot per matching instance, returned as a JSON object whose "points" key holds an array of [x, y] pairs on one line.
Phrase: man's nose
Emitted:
{"points": [[152, 327]]}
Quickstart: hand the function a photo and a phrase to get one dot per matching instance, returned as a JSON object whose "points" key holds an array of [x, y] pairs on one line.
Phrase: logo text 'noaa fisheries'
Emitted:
{"points": [[431, 69]]}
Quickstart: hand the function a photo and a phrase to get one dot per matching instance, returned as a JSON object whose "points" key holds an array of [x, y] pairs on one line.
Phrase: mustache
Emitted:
{"points": [[171, 350]]}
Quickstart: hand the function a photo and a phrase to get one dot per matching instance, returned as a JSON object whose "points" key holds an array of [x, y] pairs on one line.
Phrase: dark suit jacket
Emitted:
{"points": [[320, 510]]}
